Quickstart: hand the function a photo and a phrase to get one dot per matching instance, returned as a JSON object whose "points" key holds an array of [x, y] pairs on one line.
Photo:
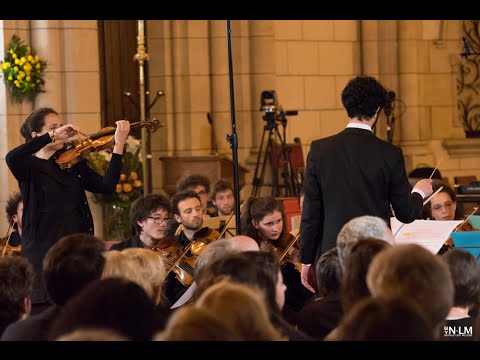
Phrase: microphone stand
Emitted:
{"points": [[233, 139]]}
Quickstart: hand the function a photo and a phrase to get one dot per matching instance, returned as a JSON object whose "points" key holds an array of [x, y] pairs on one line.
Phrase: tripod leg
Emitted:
{"points": [[287, 168], [267, 154], [258, 182]]}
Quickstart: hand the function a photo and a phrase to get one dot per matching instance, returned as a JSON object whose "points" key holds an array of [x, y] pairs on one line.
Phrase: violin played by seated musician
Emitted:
{"points": [[262, 219], [443, 206], [11, 244], [181, 252]]}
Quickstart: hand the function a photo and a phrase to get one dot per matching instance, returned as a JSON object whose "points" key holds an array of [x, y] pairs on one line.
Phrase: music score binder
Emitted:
{"points": [[468, 241]]}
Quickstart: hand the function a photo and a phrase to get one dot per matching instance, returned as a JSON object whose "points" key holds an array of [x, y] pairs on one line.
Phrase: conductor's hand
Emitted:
{"points": [[123, 128], [425, 185], [304, 277]]}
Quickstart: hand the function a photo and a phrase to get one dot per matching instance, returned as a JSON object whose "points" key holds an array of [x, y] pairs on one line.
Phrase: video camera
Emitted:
{"points": [[273, 112]]}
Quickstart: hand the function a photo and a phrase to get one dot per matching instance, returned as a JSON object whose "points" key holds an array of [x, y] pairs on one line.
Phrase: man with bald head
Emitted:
{"points": [[212, 252]]}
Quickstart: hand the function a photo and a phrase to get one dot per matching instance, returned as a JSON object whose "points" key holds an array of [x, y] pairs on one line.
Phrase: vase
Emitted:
{"points": [[117, 222]]}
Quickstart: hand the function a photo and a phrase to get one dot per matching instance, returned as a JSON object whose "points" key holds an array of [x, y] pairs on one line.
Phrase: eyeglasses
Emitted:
{"points": [[439, 207], [158, 219]]}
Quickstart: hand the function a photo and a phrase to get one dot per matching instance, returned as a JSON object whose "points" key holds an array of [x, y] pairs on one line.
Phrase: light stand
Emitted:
{"points": [[233, 138]]}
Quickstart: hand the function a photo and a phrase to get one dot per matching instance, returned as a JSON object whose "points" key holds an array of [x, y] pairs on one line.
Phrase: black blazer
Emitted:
{"points": [[351, 174]]}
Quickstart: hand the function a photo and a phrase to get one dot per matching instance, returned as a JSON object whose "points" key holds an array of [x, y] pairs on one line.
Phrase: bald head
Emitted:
{"points": [[242, 243]]}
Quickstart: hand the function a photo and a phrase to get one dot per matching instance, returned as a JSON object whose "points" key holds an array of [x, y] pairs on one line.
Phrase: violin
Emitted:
{"points": [[5, 248], [178, 260], [76, 150], [287, 250]]}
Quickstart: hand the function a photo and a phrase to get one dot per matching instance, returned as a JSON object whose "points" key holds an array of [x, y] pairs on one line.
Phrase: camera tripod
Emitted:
{"points": [[278, 153]]}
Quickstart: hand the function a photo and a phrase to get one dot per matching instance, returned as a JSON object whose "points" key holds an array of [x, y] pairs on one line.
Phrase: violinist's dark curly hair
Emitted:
{"points": [[363, 95], [192, 181], [12, 205], [34, 122]]}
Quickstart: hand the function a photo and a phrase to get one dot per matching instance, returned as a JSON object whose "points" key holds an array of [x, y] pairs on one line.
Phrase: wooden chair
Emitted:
{"points": [[464, 180]]}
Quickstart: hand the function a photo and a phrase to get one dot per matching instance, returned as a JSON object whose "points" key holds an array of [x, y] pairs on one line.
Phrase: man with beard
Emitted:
{"points": [[187, 210], [223, 198]]}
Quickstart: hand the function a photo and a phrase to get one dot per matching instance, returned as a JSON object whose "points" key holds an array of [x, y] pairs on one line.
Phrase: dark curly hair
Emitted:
{"points": [[363, 95], [192, 181], [12, 205]]}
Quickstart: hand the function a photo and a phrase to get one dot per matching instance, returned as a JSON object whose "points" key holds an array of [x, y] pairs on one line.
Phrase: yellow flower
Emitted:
{"points": [[11, 51], [127, 187], [27, 67], [37, 66], [36, 58], [17, 61], [5, 65], [123, 177], [14, 55], [137, 183], [28, 78], [23, 60], [119, 188], [133, 175], [15, 68], [30, 58], [10, 78]]}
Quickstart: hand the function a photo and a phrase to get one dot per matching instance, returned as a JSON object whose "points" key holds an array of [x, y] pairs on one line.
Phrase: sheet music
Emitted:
{"points": [[431, 234]]}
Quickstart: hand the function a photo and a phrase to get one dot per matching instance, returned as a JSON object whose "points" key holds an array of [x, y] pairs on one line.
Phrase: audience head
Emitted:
{"points": [[465, 272], [241, 308], [223, 197], [190, 323], [379, 319], [120, 265], [114, 303], [151, 267], [329, 273], [363, 96], [354, 281], [149, 215], [361, 227], [16, 279], [72, 263], [244, 243], [254, 268], [412, 272], [197, 183]]}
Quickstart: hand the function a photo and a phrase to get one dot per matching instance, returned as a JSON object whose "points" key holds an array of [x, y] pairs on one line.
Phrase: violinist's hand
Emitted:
{"points": [[304, 277], [123, 128], [63, 133]]}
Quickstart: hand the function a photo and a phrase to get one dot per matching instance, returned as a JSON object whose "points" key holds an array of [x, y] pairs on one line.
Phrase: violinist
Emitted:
{"points": [[149, 215], [443, 206], [187, 210], [263, 219], [14, 210], [54, 200]]}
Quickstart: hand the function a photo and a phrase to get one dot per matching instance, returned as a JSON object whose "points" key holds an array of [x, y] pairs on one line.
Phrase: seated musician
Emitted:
{"points": [[187, 210], [199, 184], [149, 215], [223, 198], [443, 206], [263, 219], [14, 210]]}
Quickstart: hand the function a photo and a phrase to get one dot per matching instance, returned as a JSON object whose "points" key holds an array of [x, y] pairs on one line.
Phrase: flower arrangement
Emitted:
{"points": [[129, 188], [22, 71]]}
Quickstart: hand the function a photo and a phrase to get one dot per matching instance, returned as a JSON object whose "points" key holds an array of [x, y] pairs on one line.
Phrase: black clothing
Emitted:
{"points": [[351, 174], [133, 242], [459, 330], [33, 328], [320, 316], [54, 201], [15, 239]]}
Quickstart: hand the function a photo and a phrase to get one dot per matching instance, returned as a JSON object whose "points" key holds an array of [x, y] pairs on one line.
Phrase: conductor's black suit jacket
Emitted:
{"points": [[352, 174]]}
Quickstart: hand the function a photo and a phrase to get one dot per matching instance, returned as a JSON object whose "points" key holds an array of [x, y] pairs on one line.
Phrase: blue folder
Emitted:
{"points": [[468, 241]]}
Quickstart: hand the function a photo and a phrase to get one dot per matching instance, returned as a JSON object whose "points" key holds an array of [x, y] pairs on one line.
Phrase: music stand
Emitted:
{"points": [[468, 241]]}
